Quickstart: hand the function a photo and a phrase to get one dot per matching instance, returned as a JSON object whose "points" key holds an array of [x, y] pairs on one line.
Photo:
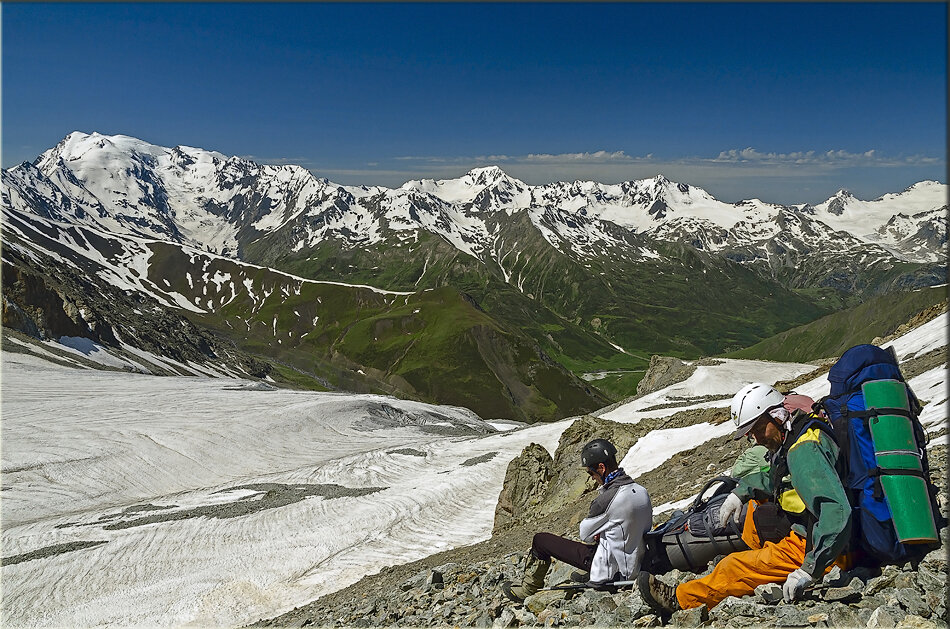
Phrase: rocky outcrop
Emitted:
{"points": [[662, 372], [571, 481], [526, 481], [538, 485]]}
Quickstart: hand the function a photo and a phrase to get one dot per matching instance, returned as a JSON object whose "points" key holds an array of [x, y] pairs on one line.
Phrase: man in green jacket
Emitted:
{"points": [[799, 534]]}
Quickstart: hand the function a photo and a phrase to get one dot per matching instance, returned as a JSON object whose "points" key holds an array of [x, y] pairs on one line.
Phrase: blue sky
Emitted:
{"points": [[784, 102]]}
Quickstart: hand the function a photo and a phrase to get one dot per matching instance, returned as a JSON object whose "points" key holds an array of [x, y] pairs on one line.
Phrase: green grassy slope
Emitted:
{"points": [[433, 345], [834, 333], [686, 304]]}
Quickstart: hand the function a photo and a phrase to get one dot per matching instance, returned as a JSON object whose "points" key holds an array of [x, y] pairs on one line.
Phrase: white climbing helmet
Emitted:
{"points": [[750, 403]]}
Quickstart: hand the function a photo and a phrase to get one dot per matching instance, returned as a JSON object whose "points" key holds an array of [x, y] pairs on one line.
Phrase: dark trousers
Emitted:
{"points": [[547, 545]]}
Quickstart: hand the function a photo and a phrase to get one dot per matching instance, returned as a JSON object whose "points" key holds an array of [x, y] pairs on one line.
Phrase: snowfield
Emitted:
{"points": [[136, 500]]}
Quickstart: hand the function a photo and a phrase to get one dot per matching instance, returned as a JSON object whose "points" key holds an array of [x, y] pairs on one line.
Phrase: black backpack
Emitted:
{"points": [[691, 538]]}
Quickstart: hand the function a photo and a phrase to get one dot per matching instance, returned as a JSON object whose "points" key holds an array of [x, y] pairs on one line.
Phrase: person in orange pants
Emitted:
{"points": [[740, 573], [796, 538]]}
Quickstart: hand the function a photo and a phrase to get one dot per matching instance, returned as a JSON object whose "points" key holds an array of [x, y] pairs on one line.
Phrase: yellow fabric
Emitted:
{"points": [[809, 435], [740, 573], [791, 502], [789, 499]]}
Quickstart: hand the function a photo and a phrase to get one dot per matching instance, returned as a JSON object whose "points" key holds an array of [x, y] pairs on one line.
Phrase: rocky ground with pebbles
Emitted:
{"points": [[468, 595], [549, 492], [462, 587]]}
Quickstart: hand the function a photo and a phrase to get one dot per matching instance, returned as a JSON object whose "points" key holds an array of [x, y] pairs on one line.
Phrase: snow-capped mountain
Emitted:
{"points": [[220, 204], [911, 223], [352, 285]]}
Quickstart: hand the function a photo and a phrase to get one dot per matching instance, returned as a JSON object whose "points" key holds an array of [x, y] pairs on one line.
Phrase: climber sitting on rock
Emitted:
{"points": [[801, 527], [612, 533]]}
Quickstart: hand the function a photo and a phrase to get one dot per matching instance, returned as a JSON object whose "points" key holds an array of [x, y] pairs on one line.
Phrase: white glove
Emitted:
{"points": [[795, 584], [731, 508]]}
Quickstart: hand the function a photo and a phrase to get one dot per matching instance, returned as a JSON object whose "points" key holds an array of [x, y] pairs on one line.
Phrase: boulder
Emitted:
{"points": [[526, 480], [570, 482], [662, 372], [538, 602]]}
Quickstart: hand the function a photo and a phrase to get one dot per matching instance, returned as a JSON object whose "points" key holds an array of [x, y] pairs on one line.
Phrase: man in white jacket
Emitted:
{"points": [[612, 532]]}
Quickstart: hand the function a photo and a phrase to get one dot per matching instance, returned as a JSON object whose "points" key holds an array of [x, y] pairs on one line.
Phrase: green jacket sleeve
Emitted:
{"points": [[811, 465], [756, 485], [754, 459]]}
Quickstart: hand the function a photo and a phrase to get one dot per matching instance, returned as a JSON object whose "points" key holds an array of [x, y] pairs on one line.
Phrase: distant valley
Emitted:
{"points": [[481, 291]]}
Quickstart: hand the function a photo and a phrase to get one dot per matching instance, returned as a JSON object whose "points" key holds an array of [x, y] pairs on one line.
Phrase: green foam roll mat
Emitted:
{"points": [[896, 449]]}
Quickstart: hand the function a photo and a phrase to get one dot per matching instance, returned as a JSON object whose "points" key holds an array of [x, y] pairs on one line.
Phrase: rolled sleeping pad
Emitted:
{"points": [[688, 552], [895, 448]]}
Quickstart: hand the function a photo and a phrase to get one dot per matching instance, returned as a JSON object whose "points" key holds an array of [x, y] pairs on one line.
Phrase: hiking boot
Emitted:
{"points": [[532, 581], [659, 596]]}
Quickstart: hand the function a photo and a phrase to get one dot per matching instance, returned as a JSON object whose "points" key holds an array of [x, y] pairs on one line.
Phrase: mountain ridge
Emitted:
{"points": [[562, 268], [200, 184]]}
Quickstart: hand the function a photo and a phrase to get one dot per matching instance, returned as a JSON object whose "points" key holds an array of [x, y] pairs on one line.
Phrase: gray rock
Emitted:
{"points": [[604, 604], [916, 622], [871, 602], [819, 619], [843, 616], [834, 578], [790, 616], [690, 617], [524, 616], [732, 606], [417, 580], [539, 601], [911, 600], [877, 584], [621, 616], [864, 615], [936, 600], [560, 573], [847, 594], [770, 593], [926, 579], [447, 569], [506, 619], [936, 560], [635, 604], [883, 618], [663, 372], [550, 617], [746, 621]]}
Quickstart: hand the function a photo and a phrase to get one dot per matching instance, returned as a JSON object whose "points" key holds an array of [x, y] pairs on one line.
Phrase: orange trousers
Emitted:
{"points": [[740, 573]]}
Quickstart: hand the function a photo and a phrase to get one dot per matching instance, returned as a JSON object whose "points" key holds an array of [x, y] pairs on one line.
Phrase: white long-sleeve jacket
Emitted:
{"points": [[621, 514]]}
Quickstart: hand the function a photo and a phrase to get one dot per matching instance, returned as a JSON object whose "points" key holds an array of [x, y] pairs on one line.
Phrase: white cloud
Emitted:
{"points": [[589, 157], [597, 157], [832, 158]]}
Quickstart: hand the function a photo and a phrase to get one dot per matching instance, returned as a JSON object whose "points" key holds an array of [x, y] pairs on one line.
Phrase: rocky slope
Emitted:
{"points": [[462, 587], [548, 491]]}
